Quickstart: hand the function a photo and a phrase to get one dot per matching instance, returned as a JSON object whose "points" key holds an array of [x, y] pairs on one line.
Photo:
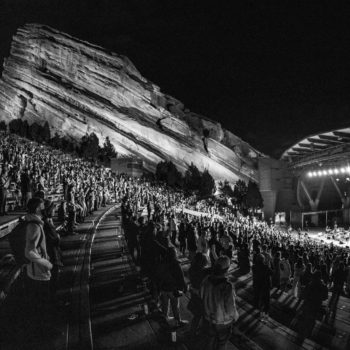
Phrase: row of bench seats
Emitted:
{"points": [[11, 204]]}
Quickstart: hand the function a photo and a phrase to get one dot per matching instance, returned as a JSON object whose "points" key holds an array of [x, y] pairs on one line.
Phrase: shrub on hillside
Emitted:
{"points": [[207, 184], [167, 172], [253, 197], [3, 126]]}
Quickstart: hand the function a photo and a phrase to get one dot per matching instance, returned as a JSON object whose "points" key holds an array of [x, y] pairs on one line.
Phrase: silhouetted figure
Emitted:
{"points": [[315, 293], [197, 272], [261, 286]]}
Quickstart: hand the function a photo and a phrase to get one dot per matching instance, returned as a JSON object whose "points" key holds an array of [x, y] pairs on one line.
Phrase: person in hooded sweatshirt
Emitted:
{"points": [[39, 266], [219, 303]]}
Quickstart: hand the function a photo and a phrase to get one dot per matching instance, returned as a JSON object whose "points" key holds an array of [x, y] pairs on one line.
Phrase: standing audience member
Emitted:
{"points": [[267, 255], [299, 269], [191, 241], [315, 293], [172, 285], [261, 286], [26, 187], [183, 235], [339, 278], [197, 272], [4, 186], [219, 303], [202, 243], [285, 272], [53, 246], [39, 267], [243, 259], [173, 229], [276, 277]]}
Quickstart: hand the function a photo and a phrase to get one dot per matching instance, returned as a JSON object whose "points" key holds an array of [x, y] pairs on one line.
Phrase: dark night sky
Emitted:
{"points": [[269, 72]]}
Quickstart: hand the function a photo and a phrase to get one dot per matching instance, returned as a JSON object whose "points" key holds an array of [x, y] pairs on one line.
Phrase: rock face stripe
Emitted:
{"points": [[81, 88]]}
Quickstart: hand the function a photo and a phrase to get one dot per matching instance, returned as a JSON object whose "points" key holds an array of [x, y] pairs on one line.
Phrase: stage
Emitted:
{"points": [[319, 235]]}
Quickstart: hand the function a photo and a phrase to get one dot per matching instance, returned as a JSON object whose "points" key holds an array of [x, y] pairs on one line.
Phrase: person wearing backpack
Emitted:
{"points": [[38, 274], [220, 311], [39, 266]]}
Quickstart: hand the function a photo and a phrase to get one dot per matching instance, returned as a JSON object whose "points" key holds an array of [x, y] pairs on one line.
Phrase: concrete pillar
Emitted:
{"points": [[314, 206], [346, 216], [313, 202], [345, 200]]}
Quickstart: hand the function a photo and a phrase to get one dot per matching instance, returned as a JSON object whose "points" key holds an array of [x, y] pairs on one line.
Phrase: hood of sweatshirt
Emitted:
{"points": [[34, 217]]}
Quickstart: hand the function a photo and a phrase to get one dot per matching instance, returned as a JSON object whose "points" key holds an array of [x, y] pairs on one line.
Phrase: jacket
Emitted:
{"points": [[219, 302], [36, 249], [315, 293], [171, 277]]}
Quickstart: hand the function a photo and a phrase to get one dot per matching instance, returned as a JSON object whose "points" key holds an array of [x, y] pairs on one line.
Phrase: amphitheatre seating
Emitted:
{"points": [[116, 296]]}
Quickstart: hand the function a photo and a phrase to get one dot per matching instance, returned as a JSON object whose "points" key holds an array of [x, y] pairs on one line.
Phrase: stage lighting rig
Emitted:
{"points": [[331, 171]]}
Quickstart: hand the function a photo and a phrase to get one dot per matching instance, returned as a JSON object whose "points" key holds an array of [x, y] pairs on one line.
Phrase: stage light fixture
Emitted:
{"points": [[330, 171], [324, 172], [348, 169], [336, 171], [342, 170], [315, 173], [319, 173], [309, 174]]}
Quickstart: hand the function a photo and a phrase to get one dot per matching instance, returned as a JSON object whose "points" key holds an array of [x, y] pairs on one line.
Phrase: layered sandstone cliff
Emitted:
{"points": [[81, 88]]}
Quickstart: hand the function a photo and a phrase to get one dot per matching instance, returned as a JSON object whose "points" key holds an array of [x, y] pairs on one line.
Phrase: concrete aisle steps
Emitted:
{"points": [[285, 315], [117, 295]]}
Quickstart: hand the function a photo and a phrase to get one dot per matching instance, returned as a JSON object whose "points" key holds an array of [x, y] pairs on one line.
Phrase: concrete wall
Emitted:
{"points": [[276, 187]]}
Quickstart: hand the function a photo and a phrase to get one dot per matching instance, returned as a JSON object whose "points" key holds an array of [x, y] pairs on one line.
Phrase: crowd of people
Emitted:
{"points": [[216, 240], [28, 167], [161, 225]]}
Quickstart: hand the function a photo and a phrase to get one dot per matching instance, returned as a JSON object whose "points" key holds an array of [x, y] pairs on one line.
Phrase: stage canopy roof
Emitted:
{"points": [[318, 142]]}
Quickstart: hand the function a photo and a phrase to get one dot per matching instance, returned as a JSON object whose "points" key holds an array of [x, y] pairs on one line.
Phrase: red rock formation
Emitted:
{"points": [[79, 87]]}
